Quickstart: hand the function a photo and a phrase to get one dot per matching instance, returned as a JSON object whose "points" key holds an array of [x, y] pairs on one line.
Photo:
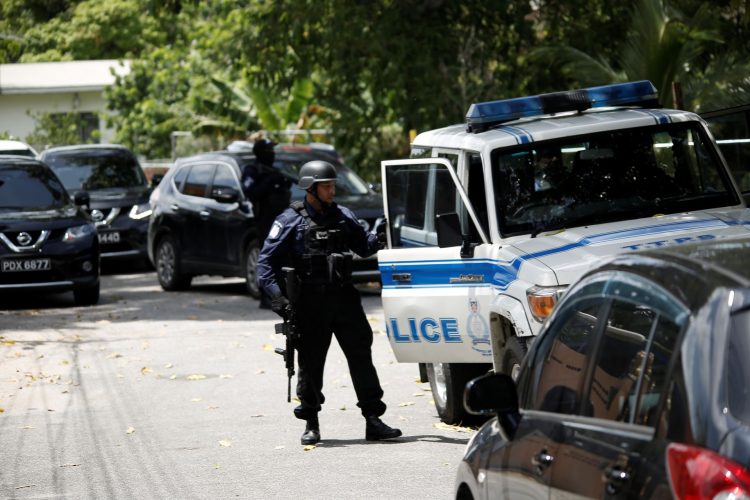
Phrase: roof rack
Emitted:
{"points": [[485, 115]]}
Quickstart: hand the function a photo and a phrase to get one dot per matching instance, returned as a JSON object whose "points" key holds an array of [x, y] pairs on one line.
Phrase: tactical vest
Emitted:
{"points": [[327, 259]]}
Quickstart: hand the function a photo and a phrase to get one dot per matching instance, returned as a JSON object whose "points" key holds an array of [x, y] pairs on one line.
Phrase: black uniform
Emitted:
{"points": [[269, 192], [319, 247]]}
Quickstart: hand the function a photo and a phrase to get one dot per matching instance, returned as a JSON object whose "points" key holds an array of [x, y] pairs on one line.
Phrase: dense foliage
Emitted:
{"points": [[371, 72]]}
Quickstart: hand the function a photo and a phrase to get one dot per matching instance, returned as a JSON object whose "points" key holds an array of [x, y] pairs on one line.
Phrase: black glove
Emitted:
{"points": [[279, 305], [380, 233]]}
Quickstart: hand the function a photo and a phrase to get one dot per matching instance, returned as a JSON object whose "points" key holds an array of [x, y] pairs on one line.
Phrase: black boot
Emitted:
{"points": [[312, 432], [377, 430]]}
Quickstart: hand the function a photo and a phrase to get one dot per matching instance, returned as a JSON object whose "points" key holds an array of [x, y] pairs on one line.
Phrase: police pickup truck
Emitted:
{"points": [[490, 221]]}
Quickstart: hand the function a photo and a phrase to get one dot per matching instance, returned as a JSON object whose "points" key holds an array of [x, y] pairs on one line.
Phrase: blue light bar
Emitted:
{"points": [[483, 116]]}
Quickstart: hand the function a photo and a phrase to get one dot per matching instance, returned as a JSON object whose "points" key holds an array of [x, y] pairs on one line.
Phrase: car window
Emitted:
{"points": [[179, 177], [224, 178], [559, 369], [96, 169], [197, 179], [737, 372], [30, 187]]}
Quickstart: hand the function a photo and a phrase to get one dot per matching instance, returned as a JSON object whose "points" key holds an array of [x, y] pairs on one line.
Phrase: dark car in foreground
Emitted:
{"points": [[118, 189], [47, 242], [637, 387], [202, 224]]}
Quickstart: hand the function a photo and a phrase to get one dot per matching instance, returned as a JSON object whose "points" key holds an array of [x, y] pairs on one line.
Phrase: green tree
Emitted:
{"points": [[56, 129], [664, 46]]}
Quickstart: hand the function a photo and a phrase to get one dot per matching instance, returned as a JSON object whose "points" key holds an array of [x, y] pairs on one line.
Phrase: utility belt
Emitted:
{"points": [[333, 269]]}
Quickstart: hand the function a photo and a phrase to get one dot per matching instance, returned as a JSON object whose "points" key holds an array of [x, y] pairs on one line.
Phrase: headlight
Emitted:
{"points": [[542, 300], [140, 211], [78, 232]]}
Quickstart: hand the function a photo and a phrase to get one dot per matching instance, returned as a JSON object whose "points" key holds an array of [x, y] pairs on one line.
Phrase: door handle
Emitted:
{"points": [[401, 277], [617, 476], [174, 207], [204, 214]]}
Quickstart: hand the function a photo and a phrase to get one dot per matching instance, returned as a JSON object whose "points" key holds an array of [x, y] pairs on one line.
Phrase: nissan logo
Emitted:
{"points": [[97, 215], [23, 239]]}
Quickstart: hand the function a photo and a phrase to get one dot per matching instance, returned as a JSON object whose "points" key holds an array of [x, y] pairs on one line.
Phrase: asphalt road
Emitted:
{"points": [[180, 396]]}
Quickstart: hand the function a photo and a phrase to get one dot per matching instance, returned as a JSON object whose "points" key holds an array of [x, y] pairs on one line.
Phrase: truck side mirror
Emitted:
{"points": [[448, 228]]}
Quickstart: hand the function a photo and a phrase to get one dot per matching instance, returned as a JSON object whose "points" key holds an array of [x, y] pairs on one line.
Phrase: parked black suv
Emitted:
{"points": [[119, 193], [203, 225], [47, 243]]}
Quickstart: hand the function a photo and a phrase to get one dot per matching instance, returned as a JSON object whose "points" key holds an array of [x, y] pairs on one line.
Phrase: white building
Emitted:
{"points": [[28, 89]]}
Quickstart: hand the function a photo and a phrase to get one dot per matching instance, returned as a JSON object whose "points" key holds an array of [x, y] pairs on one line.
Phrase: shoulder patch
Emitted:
{"points": [[275, 230]]}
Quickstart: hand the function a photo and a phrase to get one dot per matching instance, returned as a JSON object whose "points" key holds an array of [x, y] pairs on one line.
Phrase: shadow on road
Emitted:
{"points": [[432, 438]]}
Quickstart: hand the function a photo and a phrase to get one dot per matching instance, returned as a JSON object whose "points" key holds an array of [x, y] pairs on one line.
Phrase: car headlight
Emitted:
{"points": [[78, 232], [542, 300], [140, 211]]}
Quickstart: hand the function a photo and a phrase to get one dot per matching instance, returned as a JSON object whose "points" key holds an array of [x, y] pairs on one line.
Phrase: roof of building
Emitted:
{"points": [[64, 76]]}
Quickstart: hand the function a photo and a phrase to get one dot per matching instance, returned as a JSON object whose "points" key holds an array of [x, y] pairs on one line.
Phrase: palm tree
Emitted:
{"points": [[663, 46], [240, 109]]}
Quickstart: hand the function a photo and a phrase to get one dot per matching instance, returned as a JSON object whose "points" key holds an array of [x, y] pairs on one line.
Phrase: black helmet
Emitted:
{"points": [[316, 171], [263, 150]]}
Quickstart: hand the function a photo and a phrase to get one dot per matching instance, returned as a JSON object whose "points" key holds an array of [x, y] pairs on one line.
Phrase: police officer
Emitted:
{"points": [[268, 190], [317, 236]]}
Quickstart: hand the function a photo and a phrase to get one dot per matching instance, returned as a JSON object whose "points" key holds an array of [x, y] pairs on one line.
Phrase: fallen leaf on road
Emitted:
{"points": [[27, 427], [257, 415], [168, 365], [2, 410], [281, 447], [196, 400], [225, 443], [196, 377], [267, 347], [172, 377], [408, 403], [25, 486], [146, 370], [309, 447], [114, 355], [103, 321], [120, 375], [454, 428], [260, 372], [418, 394], [145, 345], [9, 342], [226, 376], [130, 430], [296, 399], [216, 466], [70, 465], [212, 407], [343, 408]]}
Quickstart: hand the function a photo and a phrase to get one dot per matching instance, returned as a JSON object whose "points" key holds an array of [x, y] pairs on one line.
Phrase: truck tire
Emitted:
{"points": [[514, 353], [447, 381]]}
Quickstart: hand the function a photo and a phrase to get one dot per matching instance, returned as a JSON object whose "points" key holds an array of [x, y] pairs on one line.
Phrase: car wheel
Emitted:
{"points": [[447, 381], [168, 271], [252, 252], [88, 296], [514, 353]]}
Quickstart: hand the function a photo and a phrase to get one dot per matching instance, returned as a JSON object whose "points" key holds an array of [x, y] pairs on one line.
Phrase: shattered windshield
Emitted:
{"points": [[606, 177]]}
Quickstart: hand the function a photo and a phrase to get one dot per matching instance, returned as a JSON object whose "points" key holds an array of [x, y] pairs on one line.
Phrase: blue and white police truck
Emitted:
{"points": [[490, 221]]}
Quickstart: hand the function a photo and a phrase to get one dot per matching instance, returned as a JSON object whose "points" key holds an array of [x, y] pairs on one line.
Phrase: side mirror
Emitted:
{"points": [[448, 230], [156, 179], [225, 195], [82, 199], [494, 394]]}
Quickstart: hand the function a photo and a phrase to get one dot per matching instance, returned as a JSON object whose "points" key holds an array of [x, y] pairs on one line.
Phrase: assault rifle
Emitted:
{"points": [[289, 327]]}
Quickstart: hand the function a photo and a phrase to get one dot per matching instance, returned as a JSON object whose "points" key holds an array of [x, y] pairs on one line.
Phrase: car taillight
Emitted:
{"points": [[698, 473]]}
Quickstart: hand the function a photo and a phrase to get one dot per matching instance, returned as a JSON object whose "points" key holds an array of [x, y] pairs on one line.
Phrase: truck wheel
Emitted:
{"points": [[168, 266], [447, 384], [514, 353], [252, 251]]}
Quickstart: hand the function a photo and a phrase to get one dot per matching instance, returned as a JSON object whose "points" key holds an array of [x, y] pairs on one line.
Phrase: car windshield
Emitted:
{"points": [[606, 177], [348, 183], [96, 169], [30, 187]]}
